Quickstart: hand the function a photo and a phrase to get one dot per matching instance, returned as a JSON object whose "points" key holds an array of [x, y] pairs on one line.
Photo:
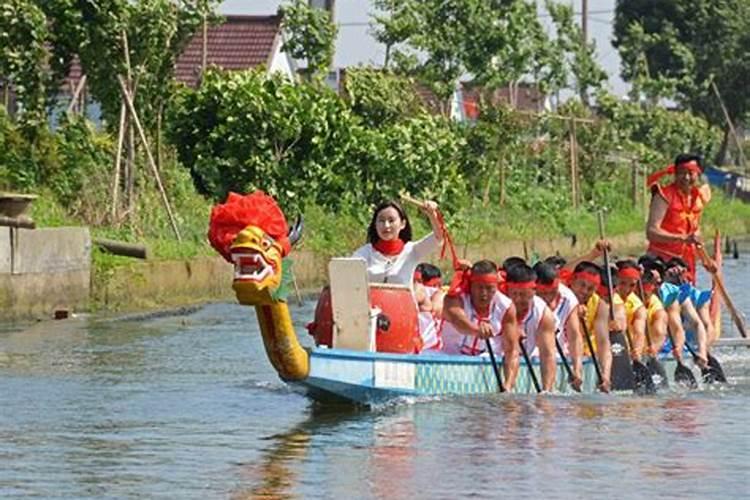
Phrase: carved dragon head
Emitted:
{"points": [[251, 232]]}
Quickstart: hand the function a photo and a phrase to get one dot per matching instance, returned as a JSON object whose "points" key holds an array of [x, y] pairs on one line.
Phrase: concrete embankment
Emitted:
{"points": [[50, 269]]}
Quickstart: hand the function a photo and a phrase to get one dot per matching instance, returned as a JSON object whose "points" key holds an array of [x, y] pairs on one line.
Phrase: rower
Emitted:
{"points": [[584, 282], [474, 311], [656, 316], [628, 275], [674, 214], [564, 304], [429, 295]]}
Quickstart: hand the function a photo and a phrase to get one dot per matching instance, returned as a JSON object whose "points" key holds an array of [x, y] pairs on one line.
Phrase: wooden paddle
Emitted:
{"points": [[590, 345], [498, 376], [627, 374], [566, 365], [711, 373], [653, 364], [710, 266], [532, 374]]}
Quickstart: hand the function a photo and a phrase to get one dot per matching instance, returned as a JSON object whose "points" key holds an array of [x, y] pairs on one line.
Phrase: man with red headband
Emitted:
{"points": [[536, 321], [563, 303], [628, 276], [474, 311], [675, 211], [586, 284]]}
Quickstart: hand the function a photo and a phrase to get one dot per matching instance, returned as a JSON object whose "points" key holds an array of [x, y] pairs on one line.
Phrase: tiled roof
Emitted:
{"points": [[241, 42]]}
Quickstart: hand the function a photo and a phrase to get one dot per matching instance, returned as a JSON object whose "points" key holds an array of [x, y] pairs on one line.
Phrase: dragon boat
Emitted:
{"points": [[365, 334]]}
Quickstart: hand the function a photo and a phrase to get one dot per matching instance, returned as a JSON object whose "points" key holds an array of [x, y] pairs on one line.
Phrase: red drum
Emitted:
{"points": [[398, 326]]}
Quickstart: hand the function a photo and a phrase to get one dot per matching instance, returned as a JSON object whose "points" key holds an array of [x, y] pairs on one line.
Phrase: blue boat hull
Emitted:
{"points": [[367, 378]]}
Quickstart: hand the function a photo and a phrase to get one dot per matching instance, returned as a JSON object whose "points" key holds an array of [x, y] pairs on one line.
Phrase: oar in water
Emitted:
{"points": [[652, 363], [532, 374], [627, 373], [590, 345], [713, 372], [571, 377], [682, 374], [498, 376]]}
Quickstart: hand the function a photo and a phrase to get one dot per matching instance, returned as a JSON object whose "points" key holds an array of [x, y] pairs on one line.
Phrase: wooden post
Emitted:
{"points": [[130, 163], [573, 165], [76, 94], [645, 196], [740, 152], [152, 163], [118, 161], [634, 182]]}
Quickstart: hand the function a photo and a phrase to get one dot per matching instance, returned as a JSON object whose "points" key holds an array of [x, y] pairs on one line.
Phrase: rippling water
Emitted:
{"points": [[188, 407]]}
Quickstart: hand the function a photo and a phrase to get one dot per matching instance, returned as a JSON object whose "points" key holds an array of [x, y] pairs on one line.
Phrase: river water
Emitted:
{"points": [[189, 407]]}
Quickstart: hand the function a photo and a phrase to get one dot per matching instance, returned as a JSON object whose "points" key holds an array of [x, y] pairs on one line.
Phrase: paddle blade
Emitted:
{"points": [[644, 384], [658, 373], [683, 375], [718, 371], [622, 369]]}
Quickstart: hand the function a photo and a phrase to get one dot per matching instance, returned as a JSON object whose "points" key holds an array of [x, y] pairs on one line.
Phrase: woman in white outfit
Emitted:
{"points": [[390, 254]]}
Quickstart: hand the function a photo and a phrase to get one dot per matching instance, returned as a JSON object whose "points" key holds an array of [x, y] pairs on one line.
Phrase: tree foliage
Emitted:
{"points": [[24, 56], [310, 34], [683, 46]]}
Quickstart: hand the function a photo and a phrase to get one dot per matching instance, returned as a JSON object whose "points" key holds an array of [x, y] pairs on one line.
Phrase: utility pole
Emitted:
{"points": [[585, 20]]}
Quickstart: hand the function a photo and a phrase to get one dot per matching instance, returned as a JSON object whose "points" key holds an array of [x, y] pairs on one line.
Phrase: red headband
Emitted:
{"points": [[629, 272], [548, 287], [483, 278], [520, 284], [587, 276], [433, 282], [649, 287], [417, 276], [691, 165]]}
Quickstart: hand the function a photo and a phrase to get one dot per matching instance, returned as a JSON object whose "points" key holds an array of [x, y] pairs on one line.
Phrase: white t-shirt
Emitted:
{"points": [[397, 269], [566, 304]]}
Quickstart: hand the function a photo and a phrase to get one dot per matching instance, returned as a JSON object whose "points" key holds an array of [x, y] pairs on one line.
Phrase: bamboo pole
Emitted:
{"points": [[149, 157], [118, 162], [573, 165]]}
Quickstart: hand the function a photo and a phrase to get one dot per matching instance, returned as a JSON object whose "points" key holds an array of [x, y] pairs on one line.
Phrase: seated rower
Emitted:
{"points": [[563, 303], [535, 320], [604, 323], [390, 254], [628, 276], [584, 282], [656, 316], [429, 295], [475, 311], [675, 275]]}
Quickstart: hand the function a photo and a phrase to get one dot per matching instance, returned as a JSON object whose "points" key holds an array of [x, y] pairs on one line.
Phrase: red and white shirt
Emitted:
{"points": [[529, 324], [567, 302]]}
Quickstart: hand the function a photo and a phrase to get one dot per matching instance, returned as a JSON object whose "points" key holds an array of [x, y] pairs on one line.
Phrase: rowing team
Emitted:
{"points": [[517, 307]]}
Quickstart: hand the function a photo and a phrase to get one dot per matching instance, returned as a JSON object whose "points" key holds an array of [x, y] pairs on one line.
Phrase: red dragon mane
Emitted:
{"points": [[238, 212]]}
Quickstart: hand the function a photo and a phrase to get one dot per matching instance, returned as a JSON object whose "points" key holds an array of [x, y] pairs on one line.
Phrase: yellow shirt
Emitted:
{"points": [[592, 306], [632, 304], [654, 306]]}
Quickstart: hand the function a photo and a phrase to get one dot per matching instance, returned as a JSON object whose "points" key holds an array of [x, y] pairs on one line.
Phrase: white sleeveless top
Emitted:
{"points": [[529, 325], [455, 342], [565, 306], [429, 325]]}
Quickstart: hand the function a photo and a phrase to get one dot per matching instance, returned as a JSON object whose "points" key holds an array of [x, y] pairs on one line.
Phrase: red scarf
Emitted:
{"points": [[390, 247]]}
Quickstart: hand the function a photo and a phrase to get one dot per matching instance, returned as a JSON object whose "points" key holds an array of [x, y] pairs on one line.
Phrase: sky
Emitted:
{"points": [[356, 46]]}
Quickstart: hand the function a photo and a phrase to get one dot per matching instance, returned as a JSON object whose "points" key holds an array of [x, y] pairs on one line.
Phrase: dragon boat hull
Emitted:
{"points": [[367, 378]]}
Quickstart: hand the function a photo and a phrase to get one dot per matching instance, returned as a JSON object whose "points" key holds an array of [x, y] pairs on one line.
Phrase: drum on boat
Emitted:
{"points": [[397, 325]]}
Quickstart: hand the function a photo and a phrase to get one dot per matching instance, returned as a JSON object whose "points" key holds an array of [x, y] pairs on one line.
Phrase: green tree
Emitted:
{"points": [[688, 45], [24, 56], [311, 35]]}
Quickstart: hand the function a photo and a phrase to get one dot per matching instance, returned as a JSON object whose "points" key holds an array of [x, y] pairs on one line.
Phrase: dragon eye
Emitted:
{"points": [[266, 243]]}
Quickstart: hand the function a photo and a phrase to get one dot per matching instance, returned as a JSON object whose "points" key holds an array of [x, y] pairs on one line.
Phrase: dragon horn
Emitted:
{"points": [[295, 232]]}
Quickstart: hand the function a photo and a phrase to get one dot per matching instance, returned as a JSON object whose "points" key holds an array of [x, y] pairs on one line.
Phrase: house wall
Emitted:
{"points": [[280, 62]]}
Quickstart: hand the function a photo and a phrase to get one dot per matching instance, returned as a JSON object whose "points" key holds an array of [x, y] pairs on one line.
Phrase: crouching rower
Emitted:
{"points": [[474, 310], [564, 304]]}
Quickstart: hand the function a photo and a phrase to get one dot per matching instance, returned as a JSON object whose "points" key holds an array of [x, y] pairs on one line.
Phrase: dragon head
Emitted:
{"points": [[251, 232]]}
